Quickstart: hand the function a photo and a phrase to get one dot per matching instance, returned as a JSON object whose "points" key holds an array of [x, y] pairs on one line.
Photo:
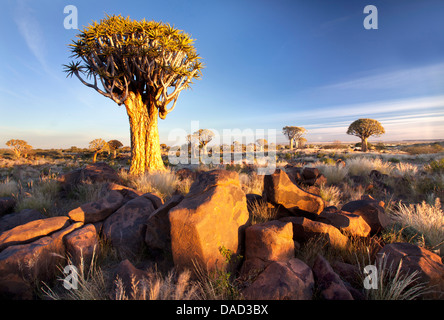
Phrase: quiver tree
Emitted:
{"points": [[365, 128], [98, 145], [19, 147], [114, 145], [193, 144], [204, 136], [261, 143], [200, 139], [141, 64], [294, 134], [300, 143]]}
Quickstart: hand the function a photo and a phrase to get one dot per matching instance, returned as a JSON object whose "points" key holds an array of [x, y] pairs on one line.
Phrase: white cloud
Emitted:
{"points": [[431, 74], [414, 126], [31, 31], [360, 110]]}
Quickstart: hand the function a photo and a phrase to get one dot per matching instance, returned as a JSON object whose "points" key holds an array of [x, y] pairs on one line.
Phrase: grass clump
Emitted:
{"points": [[164, 183], [335, 174], [427, 219], [251, 183], [331, 195], [157, 286], [260, 212], [8, 188], [362, 166], [393, 284], [42, 196]]}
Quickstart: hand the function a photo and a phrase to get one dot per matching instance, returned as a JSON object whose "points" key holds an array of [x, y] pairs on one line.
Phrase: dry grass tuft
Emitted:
{"points": [[8, 188], [427, 219]]}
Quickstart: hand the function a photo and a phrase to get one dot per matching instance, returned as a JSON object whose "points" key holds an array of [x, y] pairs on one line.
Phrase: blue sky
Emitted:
{"points": [[269, 64]]}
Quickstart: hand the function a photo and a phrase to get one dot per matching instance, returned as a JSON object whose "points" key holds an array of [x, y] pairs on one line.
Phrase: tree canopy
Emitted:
{"points": [[293, 133], [98, 145], [125, 55], [19, 147]]}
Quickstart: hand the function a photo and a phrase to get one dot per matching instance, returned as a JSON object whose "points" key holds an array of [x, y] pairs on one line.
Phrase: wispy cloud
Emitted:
{"points": [[31, 31], [413, 126], [367, 109], [430, 74]]}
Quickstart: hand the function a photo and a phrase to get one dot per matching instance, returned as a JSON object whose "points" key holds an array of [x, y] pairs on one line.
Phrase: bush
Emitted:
{"points": [[423, 149], [328, 161], [436, 166]]}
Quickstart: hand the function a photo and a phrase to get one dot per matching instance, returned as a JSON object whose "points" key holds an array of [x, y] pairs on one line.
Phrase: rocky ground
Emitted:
{"points": [[209, 238]]}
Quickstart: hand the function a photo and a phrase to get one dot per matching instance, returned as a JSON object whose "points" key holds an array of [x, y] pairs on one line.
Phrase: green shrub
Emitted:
{"points": [[423, 149], [436, 166], [328, 161]]}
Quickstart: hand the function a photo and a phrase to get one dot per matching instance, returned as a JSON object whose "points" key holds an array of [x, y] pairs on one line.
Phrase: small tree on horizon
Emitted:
{"points": [[114, 145], [98, 145], [364, 129], [204, 136], [19, 147], [261, 143], [293, 134]]}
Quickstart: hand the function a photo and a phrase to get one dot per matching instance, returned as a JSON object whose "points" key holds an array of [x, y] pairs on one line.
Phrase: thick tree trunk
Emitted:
{"points": [[145, 145], [95, 157], [364, 144], [291, 144]]}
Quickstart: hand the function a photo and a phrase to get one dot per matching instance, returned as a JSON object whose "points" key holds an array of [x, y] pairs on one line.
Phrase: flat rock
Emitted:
{"points": [[125, 228], [15, 219], [290, 280], [329, 283], [97, 210], [22, 265], [349, 222], [269, 241], [414, 258], [280, 190], [82, 245], [32, 230], [370, 210], [305, 229]]}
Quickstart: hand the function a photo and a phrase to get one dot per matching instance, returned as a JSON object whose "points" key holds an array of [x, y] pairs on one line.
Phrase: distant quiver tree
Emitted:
{"points": [[19, 147], [113, 146], [141, 64], [98, 145], [364, 129], [294, 134]]}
